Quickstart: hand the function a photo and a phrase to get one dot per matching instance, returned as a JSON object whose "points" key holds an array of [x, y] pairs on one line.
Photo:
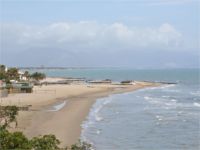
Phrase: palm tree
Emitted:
{"points": [[38, 76], [2, 68]]}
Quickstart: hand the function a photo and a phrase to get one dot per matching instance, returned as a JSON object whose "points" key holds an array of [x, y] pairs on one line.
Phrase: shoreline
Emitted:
{"points": [[66, 123]]}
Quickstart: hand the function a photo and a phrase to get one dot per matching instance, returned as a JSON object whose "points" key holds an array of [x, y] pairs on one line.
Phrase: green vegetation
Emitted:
{"points": [[45, 142], [80, 146], [38, 76], [13, 74], [2, 72], [7, 115], [15, 140], [18, 141]]}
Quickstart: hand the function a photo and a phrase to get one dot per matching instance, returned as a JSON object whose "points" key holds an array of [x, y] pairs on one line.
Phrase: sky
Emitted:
{"points": [[100, 33]]}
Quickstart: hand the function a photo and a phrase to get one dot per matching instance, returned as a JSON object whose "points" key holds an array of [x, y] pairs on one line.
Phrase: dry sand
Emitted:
{"points": [[66, 122]]}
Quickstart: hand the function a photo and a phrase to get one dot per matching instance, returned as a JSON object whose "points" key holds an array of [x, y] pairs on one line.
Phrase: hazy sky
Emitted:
{"points": [[102, 33]]}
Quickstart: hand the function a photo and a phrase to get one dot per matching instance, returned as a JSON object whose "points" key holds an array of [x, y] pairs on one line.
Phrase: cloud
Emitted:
{"points": [[88, 35]]}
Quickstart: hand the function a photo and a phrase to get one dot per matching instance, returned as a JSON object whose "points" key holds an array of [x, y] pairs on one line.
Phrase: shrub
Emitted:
{"points": [[15, 140], [46, 142]]}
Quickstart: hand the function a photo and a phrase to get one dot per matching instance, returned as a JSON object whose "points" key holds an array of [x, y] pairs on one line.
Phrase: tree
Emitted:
{"points": [[2, 72], [81, 146], [7, 115], [12, 74], [16, 140], [46, 142], [2, 68], [8, 140], [38, 76]]}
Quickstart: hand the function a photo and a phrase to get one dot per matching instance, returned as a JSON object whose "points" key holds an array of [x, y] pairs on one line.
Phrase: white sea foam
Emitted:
{"points": [[167, 86], [172, 90], [157, 116], [173, 100], [160, 118], [170, 104], [94, 115], [98, 132], [180, 112], [147, 98], [98, 118], [99, 105], [196, 93], [196, 104], [166, 96]]}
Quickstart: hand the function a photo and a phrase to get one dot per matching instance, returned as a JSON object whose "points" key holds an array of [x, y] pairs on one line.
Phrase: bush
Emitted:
{"points": [[81, 146], [15, 140], [7, 115], [46, 142], [38, 76], [18, 141]]}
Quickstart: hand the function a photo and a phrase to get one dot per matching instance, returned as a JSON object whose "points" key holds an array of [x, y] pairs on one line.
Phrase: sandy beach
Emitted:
{"points": [[74, 100]]}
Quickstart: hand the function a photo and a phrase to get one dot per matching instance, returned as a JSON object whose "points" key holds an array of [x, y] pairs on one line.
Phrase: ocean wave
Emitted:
{"points": [[94, 116], [196, 104], [147, 98], [172, 90], [173, 100], [159, 118], [58, 107], [163, 88], [98, 107], [98, 118], [166, 103], [167, 86], [98, 131], [196, 93], [164, 96]]}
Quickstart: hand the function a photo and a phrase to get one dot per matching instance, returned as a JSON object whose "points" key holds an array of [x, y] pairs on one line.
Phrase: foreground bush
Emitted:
{"points": [[18, 141], [80, 146], [15, 140], [46, 142]]}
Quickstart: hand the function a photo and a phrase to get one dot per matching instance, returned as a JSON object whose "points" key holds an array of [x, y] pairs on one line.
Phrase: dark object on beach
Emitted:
{"points": [[127, 82], [100, 81], [168, 82]]}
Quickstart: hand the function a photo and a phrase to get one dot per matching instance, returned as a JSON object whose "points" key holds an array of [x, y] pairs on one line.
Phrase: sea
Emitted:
{"points": [[155, 118]]}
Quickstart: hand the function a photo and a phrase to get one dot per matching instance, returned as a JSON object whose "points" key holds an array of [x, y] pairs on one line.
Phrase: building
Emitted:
{"points": [[21, 87], [21, 76]]}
